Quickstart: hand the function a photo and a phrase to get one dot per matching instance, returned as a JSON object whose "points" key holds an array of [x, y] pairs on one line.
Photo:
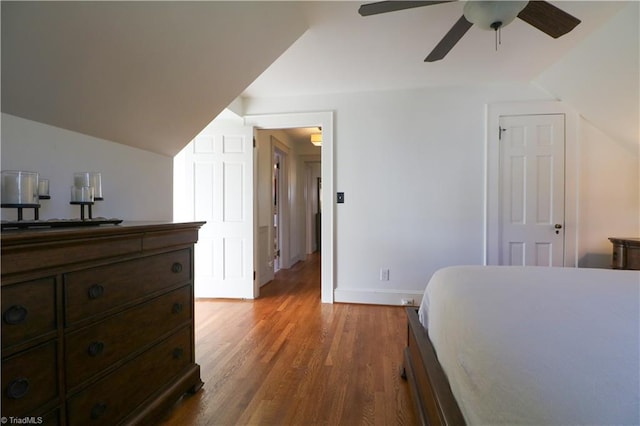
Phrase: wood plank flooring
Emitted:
{"points": [[287, 359]]}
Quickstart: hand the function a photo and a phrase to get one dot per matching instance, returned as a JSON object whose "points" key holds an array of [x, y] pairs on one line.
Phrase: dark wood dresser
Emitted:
{"points": [[626, 253], [97, 322]]}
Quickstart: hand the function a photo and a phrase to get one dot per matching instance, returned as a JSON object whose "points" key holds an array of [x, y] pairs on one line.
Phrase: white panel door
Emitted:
{"points": [[221, 167], [532, 150]]}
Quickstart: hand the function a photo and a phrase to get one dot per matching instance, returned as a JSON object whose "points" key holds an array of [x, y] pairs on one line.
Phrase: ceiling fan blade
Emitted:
{"points": [[454, 35], [391, 6], [548, 18]]}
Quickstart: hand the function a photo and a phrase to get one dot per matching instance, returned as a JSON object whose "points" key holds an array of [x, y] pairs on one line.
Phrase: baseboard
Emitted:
{"points": [[377, 296]]}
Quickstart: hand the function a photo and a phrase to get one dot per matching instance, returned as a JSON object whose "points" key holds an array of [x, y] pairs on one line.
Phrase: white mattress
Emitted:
{"points": [[533, 345]]}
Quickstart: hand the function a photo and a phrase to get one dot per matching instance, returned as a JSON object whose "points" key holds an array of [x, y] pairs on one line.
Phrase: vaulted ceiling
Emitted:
{"points": [[345, 52], [146, 74], [153, 74]]}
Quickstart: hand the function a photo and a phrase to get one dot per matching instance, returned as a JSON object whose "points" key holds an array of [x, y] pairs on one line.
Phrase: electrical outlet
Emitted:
{"points": [[407, 302], [384, 274]]}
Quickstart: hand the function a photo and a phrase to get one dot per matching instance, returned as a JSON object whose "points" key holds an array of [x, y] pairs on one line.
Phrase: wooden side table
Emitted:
{"points": [[626, 253]]}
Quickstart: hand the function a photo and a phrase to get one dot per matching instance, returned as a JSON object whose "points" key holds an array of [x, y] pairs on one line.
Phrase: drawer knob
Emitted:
{"points": [[176, 268], [96, 291], [18, 388], [177, 308], [98, 410], [177, 353], [16, 314], [95, 348]]}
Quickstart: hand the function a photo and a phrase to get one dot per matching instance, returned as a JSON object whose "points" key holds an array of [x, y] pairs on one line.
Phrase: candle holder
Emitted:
{"points": [[83, 196], [20, 191], [92, 179], [43, 189], [24, 190], [21, 207], [82, 204]]}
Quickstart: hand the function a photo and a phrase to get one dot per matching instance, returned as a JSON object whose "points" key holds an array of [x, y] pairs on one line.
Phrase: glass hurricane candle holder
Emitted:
{"points": [[20, 190], [93, 179], [43, 189], [19, 187]]}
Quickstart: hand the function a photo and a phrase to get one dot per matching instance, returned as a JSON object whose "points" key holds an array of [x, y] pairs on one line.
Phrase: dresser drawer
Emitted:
{"points": [[633, 258], [98, 346], [28, 310], [39, 256], [97, 290], [112, 398], [29, 379]]}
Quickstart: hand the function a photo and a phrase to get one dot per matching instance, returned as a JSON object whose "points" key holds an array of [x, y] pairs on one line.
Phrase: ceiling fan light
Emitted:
{"points": [[485, 14]]}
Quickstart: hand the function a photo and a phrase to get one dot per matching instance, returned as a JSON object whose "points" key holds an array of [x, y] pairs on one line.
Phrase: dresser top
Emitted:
{"points": [[33, 250], [625, 241], [25, 236]]}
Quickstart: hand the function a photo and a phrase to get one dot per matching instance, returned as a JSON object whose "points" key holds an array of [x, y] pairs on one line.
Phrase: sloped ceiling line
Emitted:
{"points": [[146, 74]]}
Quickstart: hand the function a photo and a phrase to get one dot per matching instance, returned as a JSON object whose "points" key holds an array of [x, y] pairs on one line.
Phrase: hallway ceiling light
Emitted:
{"points": [[316, 139]]}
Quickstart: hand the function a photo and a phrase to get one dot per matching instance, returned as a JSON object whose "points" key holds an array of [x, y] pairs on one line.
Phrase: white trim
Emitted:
{"points": [[325, 120], [309, 215], [492, 161], [284, 204], [377, 296]]}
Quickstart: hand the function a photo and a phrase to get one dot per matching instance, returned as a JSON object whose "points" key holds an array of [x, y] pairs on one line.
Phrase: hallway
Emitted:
{"points": [[287, 359]]}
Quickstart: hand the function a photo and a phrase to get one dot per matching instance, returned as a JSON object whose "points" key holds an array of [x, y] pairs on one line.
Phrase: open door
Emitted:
{"points": [[218, 173]]}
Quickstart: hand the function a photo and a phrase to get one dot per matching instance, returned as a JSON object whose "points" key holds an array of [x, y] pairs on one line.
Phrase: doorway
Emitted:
{"points": [[325, 121], [296, 188], [200, 165], [288, 166]]}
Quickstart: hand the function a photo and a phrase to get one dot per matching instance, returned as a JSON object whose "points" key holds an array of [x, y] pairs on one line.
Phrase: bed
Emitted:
{"points": [[526, 345]]}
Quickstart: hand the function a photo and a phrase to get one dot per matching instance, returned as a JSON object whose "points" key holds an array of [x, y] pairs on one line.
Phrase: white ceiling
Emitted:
{"points": [[344, 52], [153, 74]]}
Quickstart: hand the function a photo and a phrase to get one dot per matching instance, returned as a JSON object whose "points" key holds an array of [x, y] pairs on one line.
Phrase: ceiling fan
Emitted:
{"points": [[490, 15]]}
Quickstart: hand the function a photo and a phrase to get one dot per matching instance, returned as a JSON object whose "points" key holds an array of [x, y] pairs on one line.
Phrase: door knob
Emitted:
{"points": [[558, 226]]}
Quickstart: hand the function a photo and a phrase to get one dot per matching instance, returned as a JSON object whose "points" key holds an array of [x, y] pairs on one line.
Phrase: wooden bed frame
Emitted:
{"points": [[434, 402]]}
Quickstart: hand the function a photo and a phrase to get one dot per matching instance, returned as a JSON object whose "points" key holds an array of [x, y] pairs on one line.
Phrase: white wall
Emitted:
{"points": [[412, 167], [137, 185], [609, 194], [600, 78]]}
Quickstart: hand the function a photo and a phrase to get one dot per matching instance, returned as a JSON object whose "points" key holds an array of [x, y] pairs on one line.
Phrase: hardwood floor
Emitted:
{"points": [[287, 359]]}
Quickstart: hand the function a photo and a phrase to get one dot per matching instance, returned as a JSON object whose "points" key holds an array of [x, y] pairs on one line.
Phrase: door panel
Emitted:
{"points": [[532, 190], [233, 176], [205, 261]]}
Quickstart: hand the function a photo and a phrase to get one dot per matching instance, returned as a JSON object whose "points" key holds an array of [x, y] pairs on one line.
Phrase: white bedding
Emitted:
{"points": [[533, 345]]}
